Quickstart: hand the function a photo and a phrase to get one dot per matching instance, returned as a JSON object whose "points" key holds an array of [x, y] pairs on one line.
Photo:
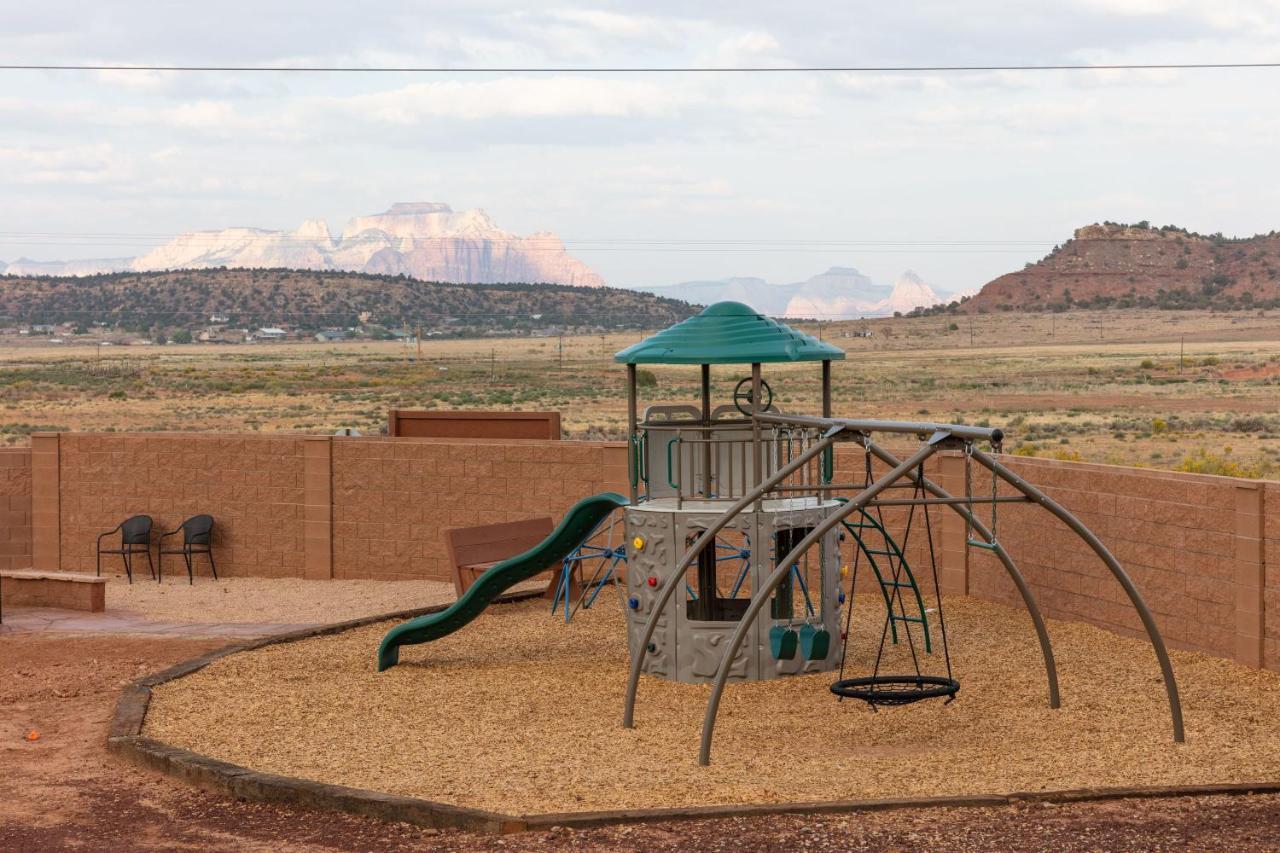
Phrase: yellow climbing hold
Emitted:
{"points": [[844, 571], [638, 543]]}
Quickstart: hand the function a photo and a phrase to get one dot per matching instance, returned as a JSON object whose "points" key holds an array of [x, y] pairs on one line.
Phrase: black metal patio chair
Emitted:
{"points": [[197, 538], [135, 538]]}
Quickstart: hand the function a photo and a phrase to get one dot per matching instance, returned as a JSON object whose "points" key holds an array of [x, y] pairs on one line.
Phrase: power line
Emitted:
{"points": [[624, 69]]}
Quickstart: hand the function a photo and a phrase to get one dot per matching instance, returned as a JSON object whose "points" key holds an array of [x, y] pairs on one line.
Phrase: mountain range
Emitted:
{"points": [[423, 240], [839, 293]]}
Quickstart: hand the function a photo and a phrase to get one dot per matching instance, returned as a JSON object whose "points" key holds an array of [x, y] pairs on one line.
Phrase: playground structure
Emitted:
{"points": [[734, 523]]}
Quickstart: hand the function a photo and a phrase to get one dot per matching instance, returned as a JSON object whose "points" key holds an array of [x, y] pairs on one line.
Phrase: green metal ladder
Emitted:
{"points": [[889, 588]]}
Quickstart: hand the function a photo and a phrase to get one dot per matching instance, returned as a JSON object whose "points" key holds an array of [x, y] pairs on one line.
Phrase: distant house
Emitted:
{"points": [[271, 333], [330, 335], [218, 319], [219, 335]]}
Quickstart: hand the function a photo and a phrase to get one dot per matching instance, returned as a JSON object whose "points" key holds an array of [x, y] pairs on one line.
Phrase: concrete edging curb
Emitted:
{"points": [[125, 739]]}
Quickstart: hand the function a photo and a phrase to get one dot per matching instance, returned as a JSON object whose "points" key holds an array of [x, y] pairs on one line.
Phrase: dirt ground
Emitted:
{"points": [[65, 792]]}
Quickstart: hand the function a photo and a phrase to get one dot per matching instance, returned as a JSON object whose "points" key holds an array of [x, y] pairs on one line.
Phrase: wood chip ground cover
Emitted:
{"points": [[519, 713]]}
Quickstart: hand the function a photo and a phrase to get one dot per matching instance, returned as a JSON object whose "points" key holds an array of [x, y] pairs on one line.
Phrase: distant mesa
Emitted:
{"points": [[840, 293], [1115, 265], [422, 240]]}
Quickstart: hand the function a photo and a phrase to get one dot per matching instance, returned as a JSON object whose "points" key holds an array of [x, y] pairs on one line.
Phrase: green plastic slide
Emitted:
{"points": [[574, 529]]}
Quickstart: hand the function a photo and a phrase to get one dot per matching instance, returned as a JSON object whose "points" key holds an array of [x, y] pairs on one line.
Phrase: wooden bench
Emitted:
{"points": [[474, 550], [54, 589]]}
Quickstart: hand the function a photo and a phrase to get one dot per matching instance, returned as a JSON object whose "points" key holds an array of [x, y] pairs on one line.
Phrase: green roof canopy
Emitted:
{"points": [[728, 333]]}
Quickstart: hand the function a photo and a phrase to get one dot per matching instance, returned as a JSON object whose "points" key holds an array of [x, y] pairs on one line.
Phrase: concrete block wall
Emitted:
{"points": [[253, 486], [1271, 573], [393, 498], [1192, 544], [1197, 547], [15, 508]]}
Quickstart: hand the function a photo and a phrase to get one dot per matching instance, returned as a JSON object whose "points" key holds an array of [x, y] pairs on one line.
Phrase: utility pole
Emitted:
{"points": [[970, 331], [562, 350], [1182, 350], [493, 365], [417, 336], [1053, 325]]}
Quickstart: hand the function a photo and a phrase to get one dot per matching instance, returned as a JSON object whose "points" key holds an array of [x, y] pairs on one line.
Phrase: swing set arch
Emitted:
{"points": [[937, 437]]}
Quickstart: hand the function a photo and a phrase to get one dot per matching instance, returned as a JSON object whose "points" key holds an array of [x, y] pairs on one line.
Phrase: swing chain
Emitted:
{"points": [[991, 541], [995, 504]]}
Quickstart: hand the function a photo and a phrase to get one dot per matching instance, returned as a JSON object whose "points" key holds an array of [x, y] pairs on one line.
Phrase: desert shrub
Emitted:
{"points": [[1201, 461], [1249, 423], [1159, 425], [646, 378]]}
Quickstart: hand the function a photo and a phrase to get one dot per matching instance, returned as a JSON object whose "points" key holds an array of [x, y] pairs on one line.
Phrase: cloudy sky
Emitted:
{"points": [[651, 178]]}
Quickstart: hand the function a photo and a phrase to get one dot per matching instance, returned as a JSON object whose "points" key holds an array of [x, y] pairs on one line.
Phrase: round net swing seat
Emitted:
{"points": [[896, 689]]}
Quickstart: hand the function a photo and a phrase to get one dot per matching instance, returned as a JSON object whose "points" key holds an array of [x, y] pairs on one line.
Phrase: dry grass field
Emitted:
{"points": [[1188, 390]]}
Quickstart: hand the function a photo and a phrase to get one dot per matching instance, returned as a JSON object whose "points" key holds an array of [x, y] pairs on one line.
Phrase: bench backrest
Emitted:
{"points": [[488, 543]]}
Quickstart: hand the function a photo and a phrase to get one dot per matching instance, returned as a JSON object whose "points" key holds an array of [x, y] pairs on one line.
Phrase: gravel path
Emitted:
{"points": [[270, 600]]}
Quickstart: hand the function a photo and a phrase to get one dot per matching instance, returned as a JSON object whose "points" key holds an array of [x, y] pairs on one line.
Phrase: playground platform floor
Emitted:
{"points": [[520, 714]]}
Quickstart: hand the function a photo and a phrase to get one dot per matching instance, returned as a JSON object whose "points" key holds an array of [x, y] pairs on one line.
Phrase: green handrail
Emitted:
{"points": [[638, 469]]}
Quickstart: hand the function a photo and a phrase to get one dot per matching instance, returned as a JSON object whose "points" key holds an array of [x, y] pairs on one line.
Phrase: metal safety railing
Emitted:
{"points": [[719, 463]]}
